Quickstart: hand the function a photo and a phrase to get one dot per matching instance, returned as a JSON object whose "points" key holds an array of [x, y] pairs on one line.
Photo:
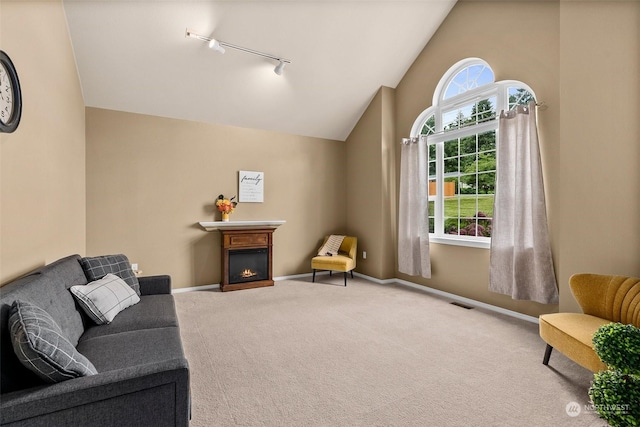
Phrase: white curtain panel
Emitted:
{"points": [[521, 263], [413, 221]]}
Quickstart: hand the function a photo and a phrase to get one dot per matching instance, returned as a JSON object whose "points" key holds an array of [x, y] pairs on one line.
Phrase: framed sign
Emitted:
{"points": [[250, 187]]}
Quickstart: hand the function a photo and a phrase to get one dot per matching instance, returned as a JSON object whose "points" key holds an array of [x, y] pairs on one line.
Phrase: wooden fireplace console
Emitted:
{"points": [[252, 238], [238, 235]]}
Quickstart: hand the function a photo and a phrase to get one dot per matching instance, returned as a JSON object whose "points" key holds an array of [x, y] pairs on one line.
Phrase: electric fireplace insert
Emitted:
{"points": [[248, 265], [246, 258]]}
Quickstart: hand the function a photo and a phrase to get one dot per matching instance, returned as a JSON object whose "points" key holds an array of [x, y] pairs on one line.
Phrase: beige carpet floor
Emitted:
{"points": [[321, 354]]}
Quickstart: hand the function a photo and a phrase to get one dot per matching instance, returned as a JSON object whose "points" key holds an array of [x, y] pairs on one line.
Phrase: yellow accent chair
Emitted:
{"points": [[604, 299], [344, 261]]}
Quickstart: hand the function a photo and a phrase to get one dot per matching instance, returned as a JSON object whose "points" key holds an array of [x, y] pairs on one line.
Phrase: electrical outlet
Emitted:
{"points": [[134, 267], [364, 254]]}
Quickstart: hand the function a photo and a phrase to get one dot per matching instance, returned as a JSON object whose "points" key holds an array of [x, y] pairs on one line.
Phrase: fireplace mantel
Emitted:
{"points": [[239, 225]]}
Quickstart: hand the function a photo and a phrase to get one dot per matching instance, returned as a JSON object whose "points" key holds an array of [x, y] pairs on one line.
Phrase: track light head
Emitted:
{"points": [[215, 45], [279, 67]]}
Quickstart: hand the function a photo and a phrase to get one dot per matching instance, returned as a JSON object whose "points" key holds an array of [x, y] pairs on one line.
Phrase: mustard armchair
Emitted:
{"points": [[604, 299], [344, 261]]}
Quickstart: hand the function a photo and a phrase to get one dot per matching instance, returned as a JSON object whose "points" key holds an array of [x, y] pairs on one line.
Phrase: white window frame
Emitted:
{"points": [[499, 90]]}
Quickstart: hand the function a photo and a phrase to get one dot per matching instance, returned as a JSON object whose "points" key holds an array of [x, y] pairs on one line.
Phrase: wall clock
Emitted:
{"points": [[10, 95]]}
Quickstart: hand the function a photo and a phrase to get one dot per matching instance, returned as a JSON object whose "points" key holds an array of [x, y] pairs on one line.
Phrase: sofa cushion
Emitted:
{"points": [[153, 311], [133, 348], [103, 299], [42, 347], [336, 263], [96, 268], [571, 334]]}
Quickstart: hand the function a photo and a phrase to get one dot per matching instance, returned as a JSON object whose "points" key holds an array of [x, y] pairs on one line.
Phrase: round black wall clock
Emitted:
{"points": [[10, 95]]}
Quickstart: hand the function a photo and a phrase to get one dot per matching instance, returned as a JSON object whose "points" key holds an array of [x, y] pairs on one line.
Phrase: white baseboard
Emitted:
{"points": [[454, 297], [195, 288], [422, 288], [217, 285], [299, 276]]}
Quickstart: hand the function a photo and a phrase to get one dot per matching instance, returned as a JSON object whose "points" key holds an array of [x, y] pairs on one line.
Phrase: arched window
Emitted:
{"points": [[462, 128]]}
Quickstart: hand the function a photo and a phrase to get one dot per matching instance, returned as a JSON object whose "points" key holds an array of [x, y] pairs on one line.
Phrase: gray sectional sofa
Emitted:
{"points": [[142, 374]]}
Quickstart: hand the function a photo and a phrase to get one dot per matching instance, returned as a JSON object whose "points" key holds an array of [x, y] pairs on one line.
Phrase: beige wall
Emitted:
{"points": [[370, 183], [600, 140], [42, 176], [581, 59], [150, 180]]}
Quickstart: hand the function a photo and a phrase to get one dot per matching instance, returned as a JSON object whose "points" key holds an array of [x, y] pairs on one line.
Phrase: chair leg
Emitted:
{"points": [[352, 274], [314, 275], [345, 278], [547, 355], [330, 272]]}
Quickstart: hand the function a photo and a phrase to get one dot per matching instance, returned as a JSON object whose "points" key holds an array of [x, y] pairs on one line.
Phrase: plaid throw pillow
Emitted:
{"points": [[41, 346], [105, 298], [332, 245], [95, 268]]}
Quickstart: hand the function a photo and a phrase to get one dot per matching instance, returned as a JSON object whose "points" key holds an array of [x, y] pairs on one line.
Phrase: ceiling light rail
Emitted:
{"points": [[219, 46]]}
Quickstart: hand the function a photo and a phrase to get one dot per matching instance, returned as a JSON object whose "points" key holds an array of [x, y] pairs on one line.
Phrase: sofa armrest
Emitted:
{"points": [[149, 392], [153, 285]]}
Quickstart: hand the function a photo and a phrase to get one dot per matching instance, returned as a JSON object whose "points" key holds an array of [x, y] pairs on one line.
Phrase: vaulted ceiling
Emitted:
{"points": [[133, 56]]}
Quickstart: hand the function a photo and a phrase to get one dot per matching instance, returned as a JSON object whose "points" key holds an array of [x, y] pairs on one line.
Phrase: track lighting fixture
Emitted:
{"points": [[278, 69], [215, 45], [219, 46]]}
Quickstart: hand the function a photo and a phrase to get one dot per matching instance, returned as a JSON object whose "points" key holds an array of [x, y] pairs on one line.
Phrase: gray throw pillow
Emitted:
{"points": [[103, 299], [41, 346], [96, 268]]}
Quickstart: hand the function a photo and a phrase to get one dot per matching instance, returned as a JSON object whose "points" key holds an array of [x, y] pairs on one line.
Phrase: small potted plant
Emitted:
{"points": [[615, 392]]}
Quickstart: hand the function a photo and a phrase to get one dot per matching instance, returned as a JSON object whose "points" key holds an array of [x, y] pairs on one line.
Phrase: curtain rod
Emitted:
{"points": [[541, 106]]}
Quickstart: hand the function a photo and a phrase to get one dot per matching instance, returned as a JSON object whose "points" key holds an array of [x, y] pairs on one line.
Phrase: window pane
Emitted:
{"points": [[485, 224], [468, 164], [468, 78], [432, 169], [468, 145], [451, 166], [450, 187], [487, 141], [487, 161], [432, 218], [429, 127], [453, 119], [484, 110], [519, 96], [485, 207], [432, 152], [451, 148], [432, 189], [451, 224], [470, 114], [468, 184], [487, 183]]}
